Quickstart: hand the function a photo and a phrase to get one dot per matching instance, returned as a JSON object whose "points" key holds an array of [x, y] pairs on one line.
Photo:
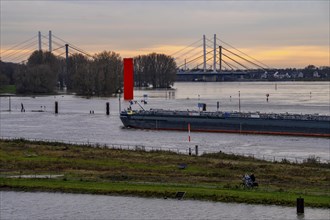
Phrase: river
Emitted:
{"points": [[40, 205], [75, 123]]}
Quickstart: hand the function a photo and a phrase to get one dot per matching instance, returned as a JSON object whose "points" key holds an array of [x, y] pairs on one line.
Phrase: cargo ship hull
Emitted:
{"points": [[207, 123]]}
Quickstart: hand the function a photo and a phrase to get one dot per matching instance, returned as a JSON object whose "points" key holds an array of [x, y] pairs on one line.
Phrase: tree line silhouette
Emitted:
{"points": [[101, 75]]}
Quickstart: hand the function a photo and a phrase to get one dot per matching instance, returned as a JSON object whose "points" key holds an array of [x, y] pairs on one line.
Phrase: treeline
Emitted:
{"points": [[39, 74], [158, 70], [101, 75]]}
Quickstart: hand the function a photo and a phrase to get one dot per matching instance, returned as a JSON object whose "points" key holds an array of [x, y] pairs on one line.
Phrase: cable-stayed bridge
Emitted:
{"points": [[213, 60], [203, 60], [20, 52], [210, 55]]}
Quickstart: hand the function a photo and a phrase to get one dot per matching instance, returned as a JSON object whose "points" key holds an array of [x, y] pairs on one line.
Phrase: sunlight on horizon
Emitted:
{"points": [[275, 57]]}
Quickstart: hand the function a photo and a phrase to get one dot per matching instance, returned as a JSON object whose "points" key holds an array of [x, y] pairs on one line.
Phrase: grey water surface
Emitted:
{"points": [[75, 123], [40, 205]]}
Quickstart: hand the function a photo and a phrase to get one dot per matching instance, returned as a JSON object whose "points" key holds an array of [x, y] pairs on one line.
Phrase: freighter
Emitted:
{"points": [[230, 122]]}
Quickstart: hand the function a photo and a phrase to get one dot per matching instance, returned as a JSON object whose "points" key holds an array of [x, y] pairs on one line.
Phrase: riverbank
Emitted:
{"points": [[216, 177]]}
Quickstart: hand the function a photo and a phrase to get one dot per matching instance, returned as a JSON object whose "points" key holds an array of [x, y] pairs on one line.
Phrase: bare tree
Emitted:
{"points": [[39, 75], [80, 78], [158, 70], [107, 67]]}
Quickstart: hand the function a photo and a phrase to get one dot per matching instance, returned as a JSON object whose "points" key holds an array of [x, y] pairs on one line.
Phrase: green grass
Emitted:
{"points": [[214, 177], [8, 89], [163, 190]]}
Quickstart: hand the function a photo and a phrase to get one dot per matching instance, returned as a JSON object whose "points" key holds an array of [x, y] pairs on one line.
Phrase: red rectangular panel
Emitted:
{"points": [[128, 79]]}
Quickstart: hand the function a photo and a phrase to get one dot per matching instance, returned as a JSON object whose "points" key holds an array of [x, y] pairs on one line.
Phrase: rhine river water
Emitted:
{"points": [[37, 205], [75, 123]]}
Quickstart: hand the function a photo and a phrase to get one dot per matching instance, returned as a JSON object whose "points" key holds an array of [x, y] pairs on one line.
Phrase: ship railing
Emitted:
{"points": [[314, 117], [177, 150]]}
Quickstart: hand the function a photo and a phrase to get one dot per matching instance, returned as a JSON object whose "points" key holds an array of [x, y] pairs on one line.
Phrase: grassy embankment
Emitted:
{"points": [[214, 177], [8, 89]]}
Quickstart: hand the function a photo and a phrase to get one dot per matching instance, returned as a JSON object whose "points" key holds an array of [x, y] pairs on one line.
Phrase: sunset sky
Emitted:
{"points": [[278, 33]]}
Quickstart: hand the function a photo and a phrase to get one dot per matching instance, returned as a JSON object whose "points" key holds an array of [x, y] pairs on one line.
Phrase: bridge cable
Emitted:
{"points": [[206, 61], [198, 57], [19, 44], [194, 59], [235, 61], [194, 55], [239, 55], [81, 51], [194, 48], [58, 48], [185, 47], [70, 44], [19, 49], [243, 53], [22, 55], [228, 65], [244, 58], [232, 66]]}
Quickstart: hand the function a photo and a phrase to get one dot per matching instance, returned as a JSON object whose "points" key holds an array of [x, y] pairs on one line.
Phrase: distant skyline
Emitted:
{"points": [[278, 33]]}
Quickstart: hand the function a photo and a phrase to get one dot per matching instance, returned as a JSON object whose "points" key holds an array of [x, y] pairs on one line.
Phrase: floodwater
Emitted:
{"points": [[40, 205], [75, 123]]}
